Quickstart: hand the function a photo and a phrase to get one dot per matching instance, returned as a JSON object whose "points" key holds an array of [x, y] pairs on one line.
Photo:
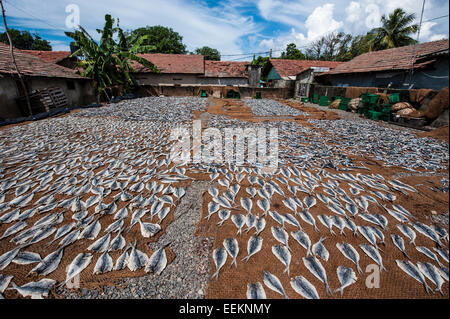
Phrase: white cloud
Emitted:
{"points": [[321, 22], [438, 37], [354, 12]]}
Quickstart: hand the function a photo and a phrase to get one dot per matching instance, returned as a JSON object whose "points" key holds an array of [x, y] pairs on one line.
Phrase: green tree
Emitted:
{"points": [[331, 47], [108, 62], [395, 31], [164, 39], [24, 40], [261, 61], [292, 53], [208, 53]]}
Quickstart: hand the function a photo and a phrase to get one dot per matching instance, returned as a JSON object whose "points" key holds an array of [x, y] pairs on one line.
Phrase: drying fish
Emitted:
{"points": [[22, 201], [254, 245], [428, 232], [281, 235], [260, 224], [26, 258], [224, 214], [255, 291], [239, 221], [250, 221], [81, 261], [325, 220], [339, 223], [412, 270], [319, 250], [70, 238], [232, 247], [101, 244], [309, 201], [247, 204], [137, 259], [148, 229], [442, 252], [307, 217], [373, 253], [346, 277], [91, 231], [14, 229], [104, 264], [408, 232], [304, 288], [35, 290], [402, 210], [8, 257], [429, 254], [283, 254], [289, 203], [316, 268], [220, 257], [116, 226], [122, 261], [4, 283], [290, 219], [157, 261], [274, 283], [117, 243], [251, 191], [430, 271], [350, 252], [212, 208], [264, 205], [368, 235]]}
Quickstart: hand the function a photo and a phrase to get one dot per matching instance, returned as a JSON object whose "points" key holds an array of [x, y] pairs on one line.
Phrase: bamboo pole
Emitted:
{"points": [[11, 50]]}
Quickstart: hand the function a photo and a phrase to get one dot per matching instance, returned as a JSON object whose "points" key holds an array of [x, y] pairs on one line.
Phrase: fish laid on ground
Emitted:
{"points": [[338, 221], [442, 252], [101, 244], [346, 277], [408, 232], [80, 262], [122, 261], [254, 245], [91, 232], [307, 217], [281, 235], [428, 232], [35, 290], [232, 247], [400, 244], [319, 250], [430, 271], [260, 224], [26, 258], [247, 204], [157, 261], [8, 257], [137, 259], [224, 214], [104, 264], [374, 254], [264, 205], [255, 291], [429, 253], [117, 243], [49, 263], [316, 268], [304, 288], [274, 283], [213, 207], [368, 235], [412, 270], [303, 239], [219, 257], [250, 221], [239, 222], [277, 217], [283, 255], [148, 229], [4, 283], [325, 220], [350, 252]]}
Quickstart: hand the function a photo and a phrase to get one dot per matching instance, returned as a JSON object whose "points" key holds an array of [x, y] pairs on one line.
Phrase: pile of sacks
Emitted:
{"points": [[402, 108]]}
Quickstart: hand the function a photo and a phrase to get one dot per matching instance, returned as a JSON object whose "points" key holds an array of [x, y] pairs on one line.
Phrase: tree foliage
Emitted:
{"points": [[108, 62], [292, 53], [163, 39], [24, 40], [208, 53]]}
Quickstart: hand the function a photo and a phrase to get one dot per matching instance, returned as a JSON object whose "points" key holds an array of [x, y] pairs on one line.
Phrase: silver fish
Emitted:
{"points": [[22, 201], [408, 232], [224, 214], [264, 205], [260, 224], [309, 201], [319, 250], [220, 258], [4, 283], [101, 244], [290, 219], [281, 235], [442, 252], [247, 204], [350, 252], [70, 238], [277, 217], [35, 290], [80, 262], [429, 254], [316, 268], [346, 277], [255, 291], [157, 261], [428, 232], [274, 283], [283, 254], [137, 259], [239, 221], [412, 270], [213, 207], [14, 229], [254, 245], [122, 261], [251, 191], [430, 271], [339, 223], [8, 257], [117, 243], [304, 288], [26, 258], [104, 264], [303, 239], [325, 220], [91, 231], [49, 263], [374, 254], [307, 217], [232, 247], [368, 235]]}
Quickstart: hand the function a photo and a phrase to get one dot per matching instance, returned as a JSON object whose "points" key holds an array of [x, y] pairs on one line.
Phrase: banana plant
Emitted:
{"points": [[109, 61]]}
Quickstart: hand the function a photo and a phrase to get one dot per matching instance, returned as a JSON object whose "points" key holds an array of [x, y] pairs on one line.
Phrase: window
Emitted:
{"points": [[70, 85]]}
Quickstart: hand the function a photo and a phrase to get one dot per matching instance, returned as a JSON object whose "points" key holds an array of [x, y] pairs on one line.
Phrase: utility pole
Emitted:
{"points": [[411, 72], [270, 53], [11, 50]]}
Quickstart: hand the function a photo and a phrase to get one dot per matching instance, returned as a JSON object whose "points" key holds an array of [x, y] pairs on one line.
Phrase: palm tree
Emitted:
{"points": [[394, 32], [108, 62]]}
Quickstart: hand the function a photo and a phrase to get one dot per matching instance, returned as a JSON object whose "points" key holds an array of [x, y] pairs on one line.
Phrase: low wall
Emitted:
{"points": [[216, 91]]}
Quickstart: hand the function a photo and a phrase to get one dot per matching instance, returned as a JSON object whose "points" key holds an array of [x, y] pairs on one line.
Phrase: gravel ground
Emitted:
{"points": [[186, 277], [267, 107]]}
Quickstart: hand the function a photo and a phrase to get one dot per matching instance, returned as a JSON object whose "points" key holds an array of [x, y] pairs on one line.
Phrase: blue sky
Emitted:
{"points": [[232, 26]]}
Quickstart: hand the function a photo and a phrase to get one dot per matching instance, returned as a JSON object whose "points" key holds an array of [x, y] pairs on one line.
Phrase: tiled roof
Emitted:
{"points": [[173, 63], [286, 68], [226, 69], [392, 59], [29, 65], [49, 56]]}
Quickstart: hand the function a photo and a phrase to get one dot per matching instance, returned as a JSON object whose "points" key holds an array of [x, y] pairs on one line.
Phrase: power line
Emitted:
{"points": [[432, 19]]}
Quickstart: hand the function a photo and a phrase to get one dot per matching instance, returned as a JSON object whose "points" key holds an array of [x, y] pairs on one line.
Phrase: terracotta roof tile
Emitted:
{"points": [[226, 69], [29, 65], [287, 68], [49, 56], [391, 59], [173, 63]]}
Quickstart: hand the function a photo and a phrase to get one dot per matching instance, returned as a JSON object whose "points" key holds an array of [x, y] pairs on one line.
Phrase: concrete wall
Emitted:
{"points": [[434, 77], [81, 94], [186, 79]]}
